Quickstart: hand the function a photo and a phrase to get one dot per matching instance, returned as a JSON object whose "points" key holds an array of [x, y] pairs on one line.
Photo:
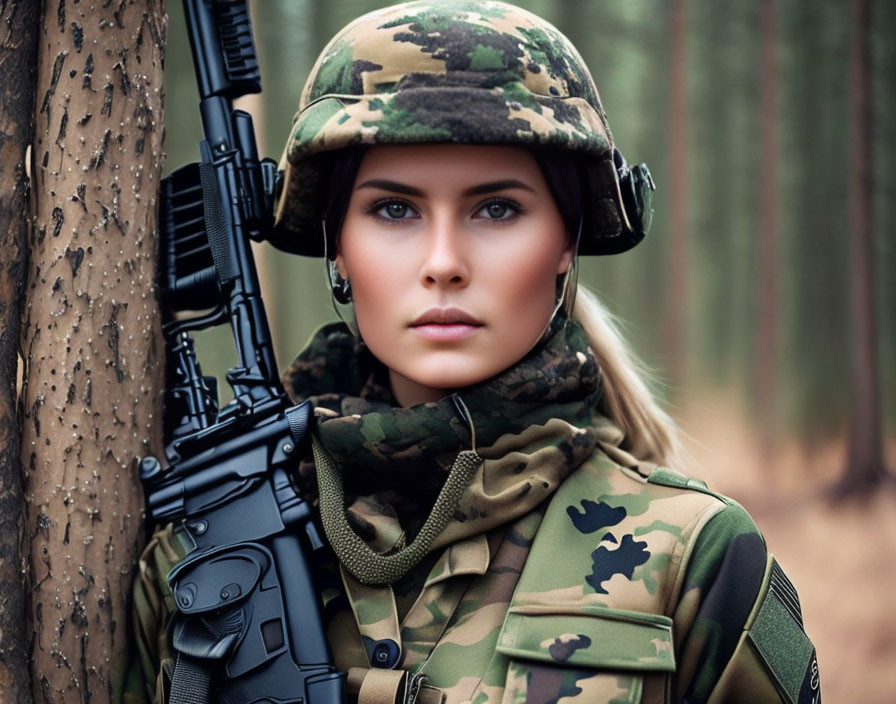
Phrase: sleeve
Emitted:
{"points": [[151, 611], [739, 629]]}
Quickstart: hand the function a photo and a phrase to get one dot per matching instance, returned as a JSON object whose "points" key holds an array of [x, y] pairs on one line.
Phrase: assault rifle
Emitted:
{"points": [[248, 626]]}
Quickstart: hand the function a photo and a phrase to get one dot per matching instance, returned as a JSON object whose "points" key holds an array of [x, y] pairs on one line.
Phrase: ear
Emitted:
{"points": [[566, 258], [340, 265]]}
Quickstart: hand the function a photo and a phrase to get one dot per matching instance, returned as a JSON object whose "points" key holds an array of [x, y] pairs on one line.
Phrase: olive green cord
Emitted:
{"points": [[363, 563]]}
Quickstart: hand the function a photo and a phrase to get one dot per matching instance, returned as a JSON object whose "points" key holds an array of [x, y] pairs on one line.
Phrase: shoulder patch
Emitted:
{"points": [[778, 636], [667, 477]]}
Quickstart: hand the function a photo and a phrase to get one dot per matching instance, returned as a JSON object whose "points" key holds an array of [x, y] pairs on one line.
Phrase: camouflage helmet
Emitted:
{"points": [[463, 71]]}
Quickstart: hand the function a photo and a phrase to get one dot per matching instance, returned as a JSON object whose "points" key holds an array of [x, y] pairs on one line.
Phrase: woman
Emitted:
{"points": [[485, 453]]}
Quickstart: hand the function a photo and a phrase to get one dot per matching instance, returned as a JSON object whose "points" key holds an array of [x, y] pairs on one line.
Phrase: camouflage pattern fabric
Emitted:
{"points": [[153, 606], [462, 71], [571, 571], [381, 446]]}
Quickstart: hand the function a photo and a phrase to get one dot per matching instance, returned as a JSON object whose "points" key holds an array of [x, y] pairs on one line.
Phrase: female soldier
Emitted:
{"points": [[486, 454]]}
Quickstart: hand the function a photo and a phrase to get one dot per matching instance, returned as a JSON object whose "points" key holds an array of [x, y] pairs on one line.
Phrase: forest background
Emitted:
{"points": [[741, 299]]}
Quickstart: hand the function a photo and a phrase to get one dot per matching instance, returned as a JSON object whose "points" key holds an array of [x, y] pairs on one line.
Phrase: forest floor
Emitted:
{"points": [[840, 556]]}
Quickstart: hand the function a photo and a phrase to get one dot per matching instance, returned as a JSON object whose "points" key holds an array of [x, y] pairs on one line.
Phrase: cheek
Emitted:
{"points": [[377, 284], [525, 282]]}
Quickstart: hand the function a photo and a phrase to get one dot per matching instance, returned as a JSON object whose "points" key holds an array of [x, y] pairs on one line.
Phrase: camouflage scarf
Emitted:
{"points": [[534, 423]]}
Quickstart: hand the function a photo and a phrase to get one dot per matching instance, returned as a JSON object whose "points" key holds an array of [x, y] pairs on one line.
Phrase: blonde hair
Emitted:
{"points": [[650, 434]]}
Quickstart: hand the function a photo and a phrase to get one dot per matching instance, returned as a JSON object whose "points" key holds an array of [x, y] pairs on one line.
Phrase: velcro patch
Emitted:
{"points": [[778, 635]]}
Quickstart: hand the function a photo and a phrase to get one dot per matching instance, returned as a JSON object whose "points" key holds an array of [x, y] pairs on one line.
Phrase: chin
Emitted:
{"points": [[449, 379], [430, 377]]}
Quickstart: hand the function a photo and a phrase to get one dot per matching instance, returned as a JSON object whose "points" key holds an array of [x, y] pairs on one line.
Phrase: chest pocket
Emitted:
{"points": [[586, 654]]}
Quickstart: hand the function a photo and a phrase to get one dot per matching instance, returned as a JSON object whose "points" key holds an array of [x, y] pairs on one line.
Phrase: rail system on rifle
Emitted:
{"points": [[248, 626]]}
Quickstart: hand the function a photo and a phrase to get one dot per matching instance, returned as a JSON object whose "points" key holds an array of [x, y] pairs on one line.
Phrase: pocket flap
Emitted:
{"points": [[592, 637]]}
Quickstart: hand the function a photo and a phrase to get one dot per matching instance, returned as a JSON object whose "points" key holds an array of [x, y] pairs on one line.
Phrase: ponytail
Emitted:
{"points": [[650, 434]]}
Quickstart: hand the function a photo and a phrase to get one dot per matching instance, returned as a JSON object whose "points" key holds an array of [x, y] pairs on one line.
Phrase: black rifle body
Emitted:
{"points": [[249, 626]]}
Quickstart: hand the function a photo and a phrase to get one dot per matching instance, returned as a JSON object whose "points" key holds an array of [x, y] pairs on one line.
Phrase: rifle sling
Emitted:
{"points": [[190, 682], [378, 686]]}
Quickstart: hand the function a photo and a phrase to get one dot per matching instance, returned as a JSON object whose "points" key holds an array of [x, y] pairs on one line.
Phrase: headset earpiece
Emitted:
{"points": [[636, 187]]}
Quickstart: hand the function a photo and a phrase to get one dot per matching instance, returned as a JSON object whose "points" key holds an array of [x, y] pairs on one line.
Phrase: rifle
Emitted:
{"points": [[248, 626]]}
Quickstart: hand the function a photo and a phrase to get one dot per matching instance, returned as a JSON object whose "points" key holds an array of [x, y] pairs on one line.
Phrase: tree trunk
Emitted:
{"points": [[676, 304], [18, 46], [91, 338], [766, 337], [865, 463]]}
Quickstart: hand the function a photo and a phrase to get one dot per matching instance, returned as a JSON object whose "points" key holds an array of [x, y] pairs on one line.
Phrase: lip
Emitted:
{"points": [[445, 324], [445, 316]]}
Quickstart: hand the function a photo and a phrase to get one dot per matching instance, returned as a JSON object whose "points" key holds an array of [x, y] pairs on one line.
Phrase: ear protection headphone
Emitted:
{"points": [[636, 187]]}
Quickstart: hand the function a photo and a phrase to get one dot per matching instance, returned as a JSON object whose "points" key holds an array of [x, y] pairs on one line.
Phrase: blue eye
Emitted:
{"points": [[393, 210], [498, 210]]}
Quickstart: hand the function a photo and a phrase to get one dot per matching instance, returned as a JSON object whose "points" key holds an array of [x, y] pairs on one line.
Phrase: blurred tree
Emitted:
{"points": [[725, 157], [813, 89], [18, 51], [865, 468], [883, 196], [93, 364], [678, 252], [766, 337]]}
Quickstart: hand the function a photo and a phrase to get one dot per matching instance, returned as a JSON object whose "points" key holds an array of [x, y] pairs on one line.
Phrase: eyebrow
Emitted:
{"points": [[490, 187]]}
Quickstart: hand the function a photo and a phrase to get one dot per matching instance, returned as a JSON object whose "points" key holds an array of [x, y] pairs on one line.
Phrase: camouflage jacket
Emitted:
{"points": [[569, 571]]}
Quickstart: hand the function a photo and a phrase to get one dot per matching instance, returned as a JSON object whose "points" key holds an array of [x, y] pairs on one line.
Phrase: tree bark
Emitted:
{"points": [[91, 335], [18, 45]]}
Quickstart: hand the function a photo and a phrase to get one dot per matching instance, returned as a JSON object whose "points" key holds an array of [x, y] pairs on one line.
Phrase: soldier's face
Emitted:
{"points": [[453, 253]]}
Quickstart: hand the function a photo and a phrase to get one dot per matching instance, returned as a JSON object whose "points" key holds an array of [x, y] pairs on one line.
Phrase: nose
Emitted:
{"points": [[446, 259]]}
